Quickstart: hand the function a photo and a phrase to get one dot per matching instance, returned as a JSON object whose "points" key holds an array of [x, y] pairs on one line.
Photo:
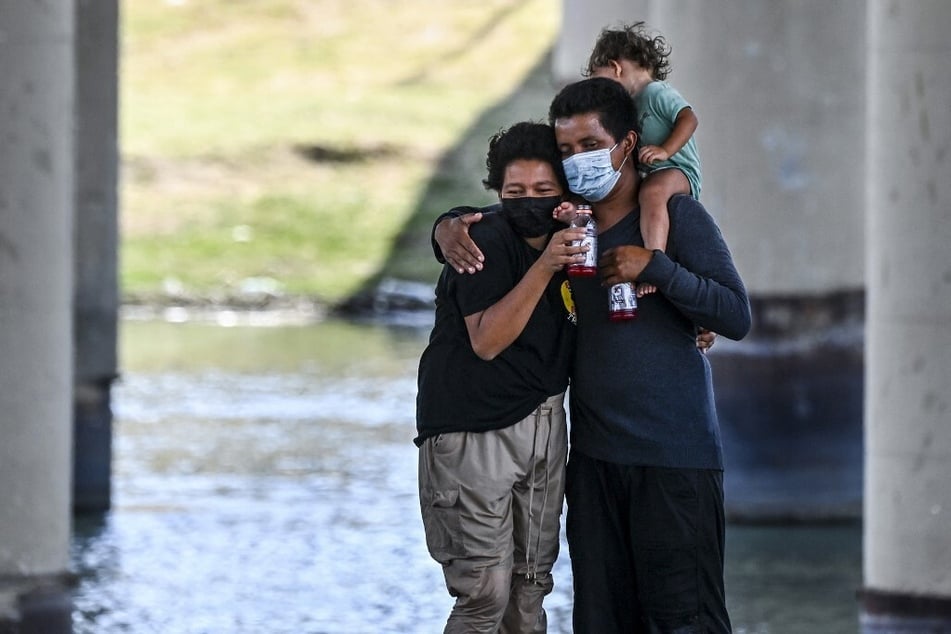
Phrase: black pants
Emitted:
{"points": [[646, 546]]}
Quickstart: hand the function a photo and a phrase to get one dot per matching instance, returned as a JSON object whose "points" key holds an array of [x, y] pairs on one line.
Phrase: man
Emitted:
{"points": [[645, 521]]}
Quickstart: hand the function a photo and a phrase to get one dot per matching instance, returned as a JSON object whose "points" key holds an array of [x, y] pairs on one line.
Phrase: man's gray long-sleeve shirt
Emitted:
{"points": [[641, 391]]}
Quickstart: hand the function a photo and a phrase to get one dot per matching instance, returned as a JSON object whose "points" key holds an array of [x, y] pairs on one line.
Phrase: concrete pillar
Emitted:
{"points": [[779, 91], [907, 549], [96, 289], [36, 247], [581, 22]]}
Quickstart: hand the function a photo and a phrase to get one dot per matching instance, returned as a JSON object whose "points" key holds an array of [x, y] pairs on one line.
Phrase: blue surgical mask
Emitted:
{"points": [[591, 174]]}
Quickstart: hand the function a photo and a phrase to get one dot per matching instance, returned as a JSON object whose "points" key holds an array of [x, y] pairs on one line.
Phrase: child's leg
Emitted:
{"points": [[656, 190]]}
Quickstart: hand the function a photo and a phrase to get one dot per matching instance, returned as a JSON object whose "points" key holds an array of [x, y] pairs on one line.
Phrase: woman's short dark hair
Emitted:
{"points": [[526, 140], [604, 97]]}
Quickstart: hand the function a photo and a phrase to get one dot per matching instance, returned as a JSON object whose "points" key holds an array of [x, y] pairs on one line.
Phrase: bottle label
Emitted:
{"points": [[591, 255], [622, 299], [589, 267]]}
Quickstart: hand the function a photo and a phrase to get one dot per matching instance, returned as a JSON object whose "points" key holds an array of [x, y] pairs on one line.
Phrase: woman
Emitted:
{"points": [[490, 415]]}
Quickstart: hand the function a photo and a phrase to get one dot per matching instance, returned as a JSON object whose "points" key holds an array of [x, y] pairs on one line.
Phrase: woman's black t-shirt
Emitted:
{"points": [[458, 391]]}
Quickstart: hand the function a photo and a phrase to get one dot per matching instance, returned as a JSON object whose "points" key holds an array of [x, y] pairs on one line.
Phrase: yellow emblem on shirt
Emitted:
{"points": [[569, 302]]}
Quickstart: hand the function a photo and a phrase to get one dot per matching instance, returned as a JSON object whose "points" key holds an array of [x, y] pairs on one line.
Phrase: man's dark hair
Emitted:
{"points": [[605, 97], [631, 42], [525, 140]]}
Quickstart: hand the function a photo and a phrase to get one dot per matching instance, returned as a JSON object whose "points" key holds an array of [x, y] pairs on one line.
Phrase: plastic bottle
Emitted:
{"points": [[589, 267], [622, 302]]}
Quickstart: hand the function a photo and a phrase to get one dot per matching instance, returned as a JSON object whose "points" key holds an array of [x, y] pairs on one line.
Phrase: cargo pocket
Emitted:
{"points": [[444, 445], [670, 554], [441, 521], [672, 587]]}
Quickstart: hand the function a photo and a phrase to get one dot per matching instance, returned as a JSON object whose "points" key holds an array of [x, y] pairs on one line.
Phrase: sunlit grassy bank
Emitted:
{"points": [[285, 145]]}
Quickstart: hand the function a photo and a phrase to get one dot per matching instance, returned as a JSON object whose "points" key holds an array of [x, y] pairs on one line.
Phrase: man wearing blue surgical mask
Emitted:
{"points": [[591, 173], [597, 164], [645, 521]]}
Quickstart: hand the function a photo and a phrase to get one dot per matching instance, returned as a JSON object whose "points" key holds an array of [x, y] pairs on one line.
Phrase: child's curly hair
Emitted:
{"points": [[634, 43]]}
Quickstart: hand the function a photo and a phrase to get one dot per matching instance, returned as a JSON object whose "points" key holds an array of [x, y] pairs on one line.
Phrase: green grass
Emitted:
{"points": [[311, 142]]}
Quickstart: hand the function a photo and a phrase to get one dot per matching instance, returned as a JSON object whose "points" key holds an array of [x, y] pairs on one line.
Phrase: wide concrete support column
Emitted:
{"points": [[36, 251], [907, 549], [581, 22], [778, 88], [779, 91], [97, 234]]}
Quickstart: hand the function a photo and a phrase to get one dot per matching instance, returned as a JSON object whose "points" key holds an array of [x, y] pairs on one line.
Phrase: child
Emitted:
{"points": [[668, 152]]}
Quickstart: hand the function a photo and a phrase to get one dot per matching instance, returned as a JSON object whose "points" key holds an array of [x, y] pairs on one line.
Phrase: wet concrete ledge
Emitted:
{"points": [[886, 612], [37, 605], [790, 402], [92, 446]]}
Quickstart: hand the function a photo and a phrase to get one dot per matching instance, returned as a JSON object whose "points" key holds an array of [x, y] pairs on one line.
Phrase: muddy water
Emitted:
{"points": [[264, 482]]}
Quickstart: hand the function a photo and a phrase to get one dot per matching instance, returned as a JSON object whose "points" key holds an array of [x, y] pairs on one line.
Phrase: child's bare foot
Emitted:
{"points": [[643, 288], [565, 212]]}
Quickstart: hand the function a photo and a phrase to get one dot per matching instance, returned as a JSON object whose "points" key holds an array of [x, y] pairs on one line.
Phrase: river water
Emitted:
{"points": [[265, 483]]}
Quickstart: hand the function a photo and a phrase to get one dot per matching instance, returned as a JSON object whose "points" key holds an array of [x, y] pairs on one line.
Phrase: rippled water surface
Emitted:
{"points": [[265, 482]]}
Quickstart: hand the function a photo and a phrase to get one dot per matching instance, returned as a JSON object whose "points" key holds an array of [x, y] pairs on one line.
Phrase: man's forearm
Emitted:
{"points": [[455, 212], [718, 303]]}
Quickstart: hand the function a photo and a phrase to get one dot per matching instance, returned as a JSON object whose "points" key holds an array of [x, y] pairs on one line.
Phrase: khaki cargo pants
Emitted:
{"points": [[491, 505]]}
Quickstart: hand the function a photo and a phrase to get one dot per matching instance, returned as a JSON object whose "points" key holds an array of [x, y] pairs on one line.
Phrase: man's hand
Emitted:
{"points": [[623, 264], [452, 236]]}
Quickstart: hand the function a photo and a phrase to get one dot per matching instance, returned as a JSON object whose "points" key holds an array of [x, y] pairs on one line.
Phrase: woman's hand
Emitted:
{"points": [[560, 252]]}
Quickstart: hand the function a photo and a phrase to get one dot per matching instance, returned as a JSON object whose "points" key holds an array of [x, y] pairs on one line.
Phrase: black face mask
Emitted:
{"points": [[529, 216]]}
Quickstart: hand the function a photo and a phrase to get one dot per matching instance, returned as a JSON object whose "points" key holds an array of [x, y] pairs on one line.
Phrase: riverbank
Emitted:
{"points": [[291, 150], [391, 301]]}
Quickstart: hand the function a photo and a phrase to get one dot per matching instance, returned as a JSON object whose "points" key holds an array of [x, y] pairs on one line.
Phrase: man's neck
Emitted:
{"points": [[619, 203]]}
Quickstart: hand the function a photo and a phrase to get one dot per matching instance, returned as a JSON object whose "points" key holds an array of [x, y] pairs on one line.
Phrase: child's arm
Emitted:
{"points": [[684, 126]]}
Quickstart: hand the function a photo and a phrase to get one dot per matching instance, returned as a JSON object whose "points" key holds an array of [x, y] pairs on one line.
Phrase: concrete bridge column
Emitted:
{"points": [[779, 91], [581, 21], [96, 289], [36, 249], [907, 548]]}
